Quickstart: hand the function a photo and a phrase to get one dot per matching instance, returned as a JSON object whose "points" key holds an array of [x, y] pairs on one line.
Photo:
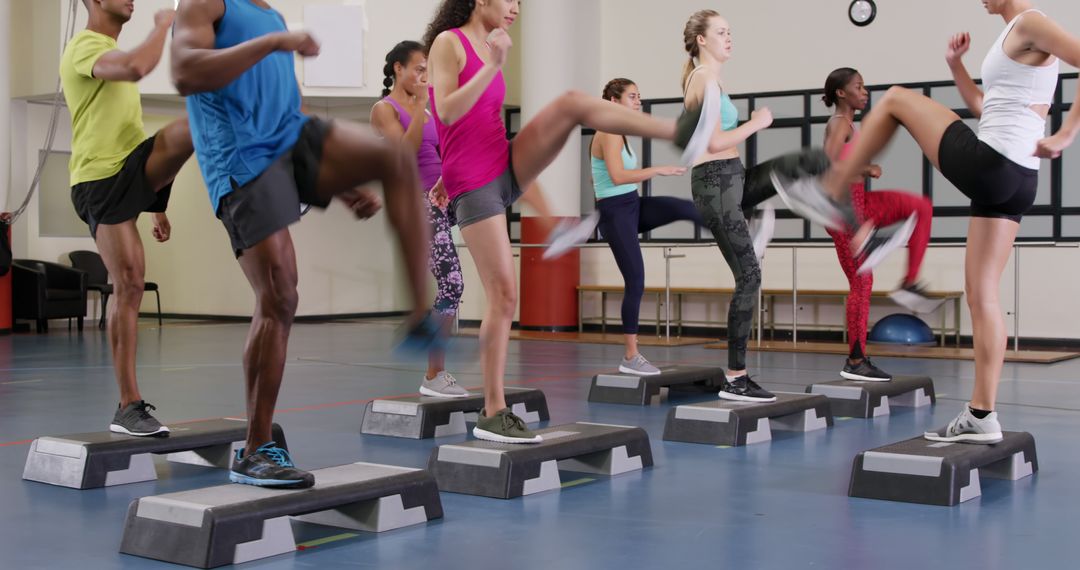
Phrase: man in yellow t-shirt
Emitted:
{"points": [[118, 173]]}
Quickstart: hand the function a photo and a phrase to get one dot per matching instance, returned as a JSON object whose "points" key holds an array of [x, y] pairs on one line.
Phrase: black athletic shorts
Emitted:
{"points": [[122, 196], [997, 186], [271, 202]]}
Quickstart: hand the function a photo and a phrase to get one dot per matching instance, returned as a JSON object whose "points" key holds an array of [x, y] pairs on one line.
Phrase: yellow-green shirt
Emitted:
{"points": [[106, 116]]}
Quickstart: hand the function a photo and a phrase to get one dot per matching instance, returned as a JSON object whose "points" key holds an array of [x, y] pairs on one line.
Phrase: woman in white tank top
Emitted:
{"points": [[997, 169]]}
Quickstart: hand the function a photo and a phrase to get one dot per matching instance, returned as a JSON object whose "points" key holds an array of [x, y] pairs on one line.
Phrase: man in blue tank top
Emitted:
{"points": [[261, 159]]}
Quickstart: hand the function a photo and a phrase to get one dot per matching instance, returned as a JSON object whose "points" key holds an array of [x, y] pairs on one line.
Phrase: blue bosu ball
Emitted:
{"points": [[901, 328]]}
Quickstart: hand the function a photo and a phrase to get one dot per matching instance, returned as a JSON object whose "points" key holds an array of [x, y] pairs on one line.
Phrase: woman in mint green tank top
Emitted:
{"points": [[624, 214]]}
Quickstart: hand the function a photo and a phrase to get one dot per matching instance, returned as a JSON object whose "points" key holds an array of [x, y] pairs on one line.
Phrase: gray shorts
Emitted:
{"points": [[272, 202], [488, 200]]}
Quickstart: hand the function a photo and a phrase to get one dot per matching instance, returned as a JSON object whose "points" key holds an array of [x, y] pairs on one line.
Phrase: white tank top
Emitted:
{"points": [[1008, 124]]}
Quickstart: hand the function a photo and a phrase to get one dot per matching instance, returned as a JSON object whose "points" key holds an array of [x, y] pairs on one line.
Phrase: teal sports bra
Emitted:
{"points": [[603, 185]]}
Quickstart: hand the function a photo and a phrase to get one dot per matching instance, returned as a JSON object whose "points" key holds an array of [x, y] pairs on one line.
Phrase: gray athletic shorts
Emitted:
{"points": [[488, 200]]}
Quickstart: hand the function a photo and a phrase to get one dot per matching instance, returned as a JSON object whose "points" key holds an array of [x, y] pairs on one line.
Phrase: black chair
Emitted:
{"points": [[98, 280], [43, 291]]}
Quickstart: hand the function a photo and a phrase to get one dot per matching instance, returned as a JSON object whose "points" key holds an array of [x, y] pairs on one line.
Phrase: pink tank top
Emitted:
{"points": [[858, 189], [427, 158], [474, 149]]}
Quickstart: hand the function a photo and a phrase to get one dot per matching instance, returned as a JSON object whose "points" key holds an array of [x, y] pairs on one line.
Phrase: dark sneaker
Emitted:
{"points": [[425, 335], [967, 428], [639, 366], [915, 298], [743, 389], [568, 235], [443, 385], [694, 127], [883, 241], [762, 228], [865, 371], [504, 427], [135, 419], [269, 466]]}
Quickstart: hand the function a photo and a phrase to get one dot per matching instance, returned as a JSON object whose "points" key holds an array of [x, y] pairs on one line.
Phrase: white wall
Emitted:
{"points": [[785, 44]]}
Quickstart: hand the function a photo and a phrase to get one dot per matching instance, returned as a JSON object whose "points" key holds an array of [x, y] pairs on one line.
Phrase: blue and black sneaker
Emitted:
{"points": [[426, 334], [269, 466]]}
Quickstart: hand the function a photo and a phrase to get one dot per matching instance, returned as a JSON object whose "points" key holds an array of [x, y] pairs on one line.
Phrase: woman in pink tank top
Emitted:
{"points": [[483, 172], [402, 116], [845, 90]]}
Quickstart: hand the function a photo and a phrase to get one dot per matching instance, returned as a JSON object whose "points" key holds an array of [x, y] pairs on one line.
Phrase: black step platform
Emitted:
{"points": [[505, 471], [727, 422], [618, 388], [861, 399], [104, 459], [932, 473], [231, 524], [423, 417]]}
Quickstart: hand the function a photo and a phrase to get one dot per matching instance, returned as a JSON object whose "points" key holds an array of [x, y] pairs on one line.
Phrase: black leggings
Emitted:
{"points": [[622, 218]]}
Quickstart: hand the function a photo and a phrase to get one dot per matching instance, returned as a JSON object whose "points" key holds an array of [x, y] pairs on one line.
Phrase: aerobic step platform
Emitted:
{"points": [[935, 473], [727, 422], [862, 399], [422, 417], [505, 471], [231, 524], [104, 459], [618, 388]]}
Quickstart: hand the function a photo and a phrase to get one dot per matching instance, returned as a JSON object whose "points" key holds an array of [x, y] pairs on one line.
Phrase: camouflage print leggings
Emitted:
{"points": [[725, 194]]}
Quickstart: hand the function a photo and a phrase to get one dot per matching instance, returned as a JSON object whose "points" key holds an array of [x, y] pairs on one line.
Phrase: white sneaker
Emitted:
{"points": [[967, 428], [915, 299], [443, 385], [568, 235], [762, 229]]}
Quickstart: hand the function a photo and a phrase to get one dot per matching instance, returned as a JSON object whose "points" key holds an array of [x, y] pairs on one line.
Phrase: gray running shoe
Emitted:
{"points": [[762, 228], [135, 419], [443, 385], [967, 428], [638, 365], [568, 235], [914, 298], [504, 427]]}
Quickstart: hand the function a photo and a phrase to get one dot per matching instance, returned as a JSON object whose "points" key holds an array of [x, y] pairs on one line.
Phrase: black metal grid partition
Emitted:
{"points": [[800, 119]]}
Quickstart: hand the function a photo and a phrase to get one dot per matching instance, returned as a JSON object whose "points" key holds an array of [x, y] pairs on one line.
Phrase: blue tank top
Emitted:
{"points": [[603, 185], [242, 128]]}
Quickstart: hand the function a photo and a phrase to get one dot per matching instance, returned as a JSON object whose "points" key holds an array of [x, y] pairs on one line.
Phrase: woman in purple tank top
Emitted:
{"points": [[483, 173], [402, 116]]}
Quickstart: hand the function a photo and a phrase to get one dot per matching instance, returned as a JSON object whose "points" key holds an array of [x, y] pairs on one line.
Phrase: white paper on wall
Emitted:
{"points": [[340, 32]]}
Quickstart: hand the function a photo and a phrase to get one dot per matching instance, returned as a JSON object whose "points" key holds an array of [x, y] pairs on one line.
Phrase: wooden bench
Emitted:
{"points": [[768, 307]]}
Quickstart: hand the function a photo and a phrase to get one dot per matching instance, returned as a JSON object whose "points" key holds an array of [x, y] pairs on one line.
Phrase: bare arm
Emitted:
{"points": [[724, 140], [453, 101], [836, 136], [969, 91], [133, 65], [197, 67], [1048, 37], [611, 149], [386, 123]]}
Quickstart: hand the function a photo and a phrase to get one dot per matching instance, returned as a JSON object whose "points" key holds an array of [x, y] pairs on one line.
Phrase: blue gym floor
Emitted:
{"points": [[776, 505]]}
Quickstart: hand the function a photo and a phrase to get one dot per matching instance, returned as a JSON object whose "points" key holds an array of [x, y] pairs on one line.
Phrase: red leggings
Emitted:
{"points": [[884, 207]]}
